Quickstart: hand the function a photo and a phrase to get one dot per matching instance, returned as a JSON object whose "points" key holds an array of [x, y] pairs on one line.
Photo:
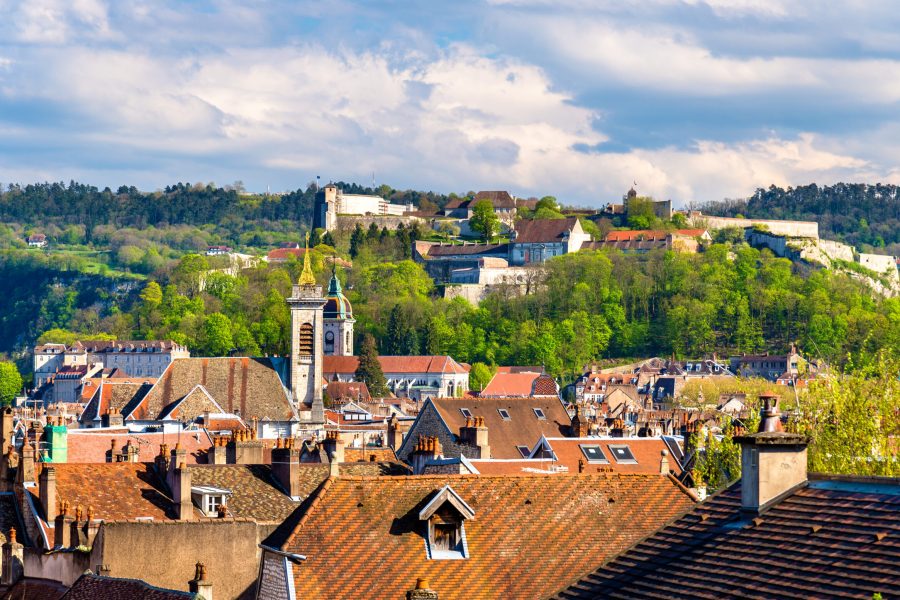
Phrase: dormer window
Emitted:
{"points": [[208, 499], [445, 516]]}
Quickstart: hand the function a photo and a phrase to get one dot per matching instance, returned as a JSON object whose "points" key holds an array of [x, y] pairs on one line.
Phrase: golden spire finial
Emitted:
{"points": [[307, 277]]}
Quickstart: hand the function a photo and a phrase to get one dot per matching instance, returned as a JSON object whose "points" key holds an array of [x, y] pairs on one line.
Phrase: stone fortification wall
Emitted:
{"points": [[836, 250], [348, 222], [879, 263], [804, 229]]}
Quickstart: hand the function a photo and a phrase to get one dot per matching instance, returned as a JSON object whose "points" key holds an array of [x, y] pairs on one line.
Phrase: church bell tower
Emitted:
{"points": [[306, 304]]}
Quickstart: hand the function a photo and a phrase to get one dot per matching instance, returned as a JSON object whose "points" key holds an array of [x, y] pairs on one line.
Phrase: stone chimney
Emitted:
{"points": [[48, 493], [162, 460], [13, 560], [217, 454], [199, 584], [245, 449], [772, 462], [62, 526], [112, 418], [580, 424], [112, 453], [25, 474], [179, 480], [475, 433], [421, 591], [334, 447], [130, 452], [7, 429], [394, 433], [664, 462], [286, 466], [427, 448]]}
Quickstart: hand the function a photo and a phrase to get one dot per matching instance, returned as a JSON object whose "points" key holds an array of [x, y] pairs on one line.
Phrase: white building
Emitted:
{"points": [[136, 358], [416, 377]]}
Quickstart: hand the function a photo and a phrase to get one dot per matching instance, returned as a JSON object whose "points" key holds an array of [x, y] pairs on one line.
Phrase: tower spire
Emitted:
{"points": [[306, 276]]}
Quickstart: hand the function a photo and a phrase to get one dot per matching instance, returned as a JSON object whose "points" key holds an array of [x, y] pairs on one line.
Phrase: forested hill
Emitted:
{"points": [[179, 204], [855, 213]]}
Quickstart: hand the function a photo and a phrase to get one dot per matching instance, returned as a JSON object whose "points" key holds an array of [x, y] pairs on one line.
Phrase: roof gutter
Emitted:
{"points": [[289, 555]]}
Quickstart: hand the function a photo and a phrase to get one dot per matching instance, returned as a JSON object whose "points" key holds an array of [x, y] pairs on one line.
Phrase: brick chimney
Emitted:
{"points": [[62, 526], [427, 448], [475, 433], [7, 429], [772, 462], [162, 460], [48, 493], [199, 584], [245, 449], [580, 426], [286, 466], [394, 433], [130, 452], [334, 447], [664, 462], [13, 560], [25, 473], [421, 591]]}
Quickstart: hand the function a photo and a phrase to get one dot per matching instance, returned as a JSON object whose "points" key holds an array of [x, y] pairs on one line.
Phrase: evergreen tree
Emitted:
{"points": [[409, 342], [393, 339], [357, 239], [369, 369]]}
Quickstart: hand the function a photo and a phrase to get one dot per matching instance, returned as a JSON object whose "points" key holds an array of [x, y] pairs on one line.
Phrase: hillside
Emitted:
{"points": [[862, 215]]}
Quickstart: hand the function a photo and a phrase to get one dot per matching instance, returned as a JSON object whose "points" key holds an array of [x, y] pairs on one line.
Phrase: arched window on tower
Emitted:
{"points": [[329, 342], [307, 341]]}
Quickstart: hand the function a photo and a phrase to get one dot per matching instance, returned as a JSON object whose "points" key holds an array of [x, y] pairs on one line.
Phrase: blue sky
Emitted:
{"points": [[694, 100]]}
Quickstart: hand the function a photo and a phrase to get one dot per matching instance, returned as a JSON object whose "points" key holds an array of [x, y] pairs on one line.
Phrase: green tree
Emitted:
{"points": [[10, 382], [217, 335], [369, 368], [480, 375], [484, 220]]}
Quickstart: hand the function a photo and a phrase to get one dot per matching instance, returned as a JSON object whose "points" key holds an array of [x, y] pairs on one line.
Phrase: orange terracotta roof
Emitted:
{"points": [[282, 254], [531, 534], [521, 466], [646, 451], [90, 446], [510, 384], [366, 454]]}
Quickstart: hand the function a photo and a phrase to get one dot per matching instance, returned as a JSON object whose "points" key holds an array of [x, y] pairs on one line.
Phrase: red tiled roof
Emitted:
{"points": [[348, 390], [282, 254], [834, 538], [499, 199], [90, 446], [505, 385], [543, 230], [396, 364], [642, 234], [520, 369], [529, 535], [646, 451]]}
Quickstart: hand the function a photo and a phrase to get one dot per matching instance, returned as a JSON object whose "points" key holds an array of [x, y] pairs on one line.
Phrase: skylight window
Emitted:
{"points": [[539, 413], [593, 453], [466, 413], [622, 454], [504, 414], [524, 451]]}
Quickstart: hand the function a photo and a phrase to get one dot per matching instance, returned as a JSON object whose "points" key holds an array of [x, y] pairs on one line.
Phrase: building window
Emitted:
{"points": [[593, 454], [504, 414], [466, 413], [539, 413], [622, 454], [444, 518], [524, 451], [208, 499]]}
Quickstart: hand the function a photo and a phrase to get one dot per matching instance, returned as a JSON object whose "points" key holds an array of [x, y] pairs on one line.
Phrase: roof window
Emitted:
{"points": [[622, 454], [445, 517], [593, 453], [466, 413], [539, 413], [525, 451], [209, 499], [504, 414]]}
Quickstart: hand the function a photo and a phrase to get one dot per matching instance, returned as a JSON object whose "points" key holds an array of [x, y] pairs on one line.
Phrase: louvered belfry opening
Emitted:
{"points": [[306, 340]]}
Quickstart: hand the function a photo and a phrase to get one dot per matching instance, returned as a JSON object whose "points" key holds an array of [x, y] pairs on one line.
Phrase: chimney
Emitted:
{"points": [[56, 434], [773, 462], [179, 481], [334, 447], [112, 418], [217, 454], [48, 493], [286, 467], [421, 591], [162, 460], [664, 462], [26, 464], [427, 449], [245, 449], [199, 584], [7, 429], [580, 425], [130, 452], [112, 452], [62, 527], [13, 560], [475, 433], [394, 433]]}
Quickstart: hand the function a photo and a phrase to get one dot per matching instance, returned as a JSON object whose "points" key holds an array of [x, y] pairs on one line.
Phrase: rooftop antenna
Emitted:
{"points": [[373, 180]]}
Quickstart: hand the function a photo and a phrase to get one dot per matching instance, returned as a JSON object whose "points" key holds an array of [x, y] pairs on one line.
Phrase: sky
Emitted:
{"points": [[691, 100]]}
